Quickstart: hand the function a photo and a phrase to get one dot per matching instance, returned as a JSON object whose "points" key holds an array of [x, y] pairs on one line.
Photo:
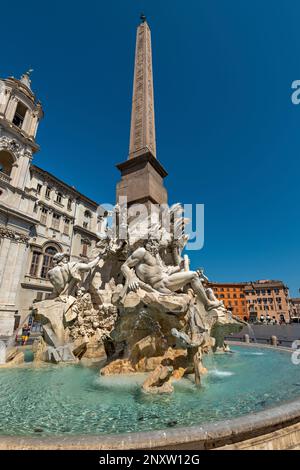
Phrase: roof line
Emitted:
{"points": [[71, 188]]}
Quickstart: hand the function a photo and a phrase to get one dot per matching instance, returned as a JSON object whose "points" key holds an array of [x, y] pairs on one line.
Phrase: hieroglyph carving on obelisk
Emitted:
{"points": [[142, 132]]}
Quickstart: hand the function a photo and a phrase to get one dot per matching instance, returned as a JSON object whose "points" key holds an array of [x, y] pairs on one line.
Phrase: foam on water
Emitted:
{"points": [[126, 381], [250, 353], [220, 373]]}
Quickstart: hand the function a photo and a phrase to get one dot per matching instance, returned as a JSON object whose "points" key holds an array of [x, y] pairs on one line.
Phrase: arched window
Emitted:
{"points": [[69, 204], [48, 261], [19, 115], [6, 162]]}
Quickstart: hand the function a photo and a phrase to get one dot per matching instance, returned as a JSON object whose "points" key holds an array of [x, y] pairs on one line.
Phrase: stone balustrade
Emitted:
{"points": [[4, 177]]}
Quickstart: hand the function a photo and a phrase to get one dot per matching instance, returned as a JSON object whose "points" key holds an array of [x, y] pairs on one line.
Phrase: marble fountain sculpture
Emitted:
{"points": [[135, 307]]}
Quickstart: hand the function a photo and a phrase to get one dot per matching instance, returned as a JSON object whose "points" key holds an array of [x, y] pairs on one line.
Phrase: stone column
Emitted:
{"points": [[23, 165], [11, 108], [33, 125], [12, 261], [27, 122]]}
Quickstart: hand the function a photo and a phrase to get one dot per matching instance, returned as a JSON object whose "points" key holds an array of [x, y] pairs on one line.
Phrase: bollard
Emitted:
{"points": [[246, 339], [274, 341]]}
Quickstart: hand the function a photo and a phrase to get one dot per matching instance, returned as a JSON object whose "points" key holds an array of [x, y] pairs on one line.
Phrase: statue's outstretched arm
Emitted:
{"points": [[88, 266]]}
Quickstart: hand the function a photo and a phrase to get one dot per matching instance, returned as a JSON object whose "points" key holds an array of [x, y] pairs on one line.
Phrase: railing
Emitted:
{"points": [[261, 340], [4, 177]]}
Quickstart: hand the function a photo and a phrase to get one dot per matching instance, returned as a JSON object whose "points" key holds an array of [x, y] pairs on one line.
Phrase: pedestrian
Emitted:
{"points": [[25, 334]]}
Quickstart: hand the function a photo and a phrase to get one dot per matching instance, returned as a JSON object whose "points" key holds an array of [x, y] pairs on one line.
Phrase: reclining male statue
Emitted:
{"points": [[145, 265]]}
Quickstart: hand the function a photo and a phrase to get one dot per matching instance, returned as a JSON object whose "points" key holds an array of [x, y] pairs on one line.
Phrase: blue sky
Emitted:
{"points": [[227, 131]]}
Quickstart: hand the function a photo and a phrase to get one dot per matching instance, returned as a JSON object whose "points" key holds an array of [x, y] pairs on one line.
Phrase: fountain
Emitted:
{"points": [[139, 302], [150, 329]]}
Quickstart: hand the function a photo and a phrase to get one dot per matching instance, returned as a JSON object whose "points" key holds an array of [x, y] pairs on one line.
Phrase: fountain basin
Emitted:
{"points": [[72, 407]]}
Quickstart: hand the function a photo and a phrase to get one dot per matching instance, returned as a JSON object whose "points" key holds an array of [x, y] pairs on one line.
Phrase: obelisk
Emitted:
{"points": [[141, 174]]}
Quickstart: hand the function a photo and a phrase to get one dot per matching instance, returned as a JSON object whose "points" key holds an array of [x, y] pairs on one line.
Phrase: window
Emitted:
{"points": [[48, 192], [84, 247], [44, 213], [59, 198], [47, 261], [69, 204], [55, 221], [38, 188], [35, 263], [242, 296], [19, 115], [87, 219], [66, 226], [6, 162]]}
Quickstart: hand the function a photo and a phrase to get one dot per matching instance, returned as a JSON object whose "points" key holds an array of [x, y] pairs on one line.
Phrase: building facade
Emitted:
{"points": [[233, 296], [268, 298], [251, 300], [40, 215]]}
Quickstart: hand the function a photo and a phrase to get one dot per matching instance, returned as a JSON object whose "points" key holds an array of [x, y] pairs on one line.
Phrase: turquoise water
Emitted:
{"points": [[62, 400]]}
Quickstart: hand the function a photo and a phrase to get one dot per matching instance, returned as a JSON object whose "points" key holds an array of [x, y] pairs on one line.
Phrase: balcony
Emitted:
{"points": [[4, 177], [36, 282]]}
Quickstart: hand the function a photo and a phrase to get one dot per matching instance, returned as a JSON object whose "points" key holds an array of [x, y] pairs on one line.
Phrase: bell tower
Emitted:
{"points": [[20, 114], [142, 175]]}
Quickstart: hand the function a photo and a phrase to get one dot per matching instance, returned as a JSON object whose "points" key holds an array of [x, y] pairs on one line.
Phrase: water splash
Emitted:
{"points": [[251, 332], [220, 373], [145, 318]]}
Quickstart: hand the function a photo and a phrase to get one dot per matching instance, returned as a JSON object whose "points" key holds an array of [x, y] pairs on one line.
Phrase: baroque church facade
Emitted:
{"points": [[40, 215]]}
